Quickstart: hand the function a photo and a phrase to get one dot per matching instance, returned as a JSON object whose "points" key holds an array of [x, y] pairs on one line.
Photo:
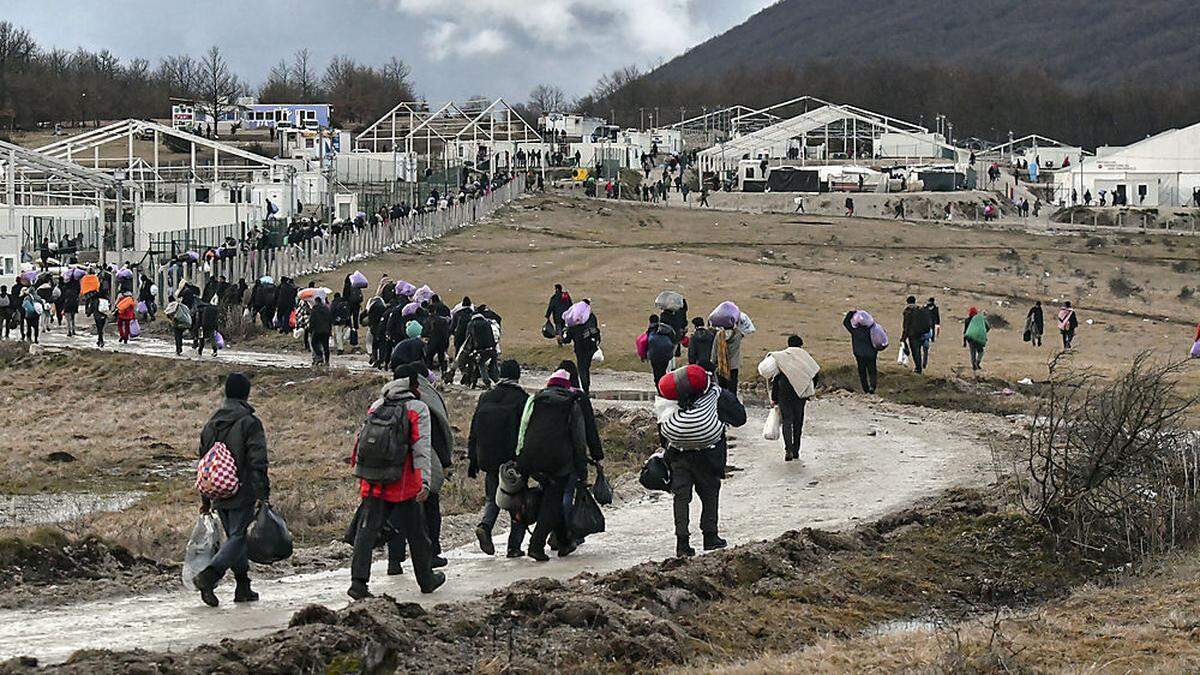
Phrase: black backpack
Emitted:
{"points": [[383, 444]]}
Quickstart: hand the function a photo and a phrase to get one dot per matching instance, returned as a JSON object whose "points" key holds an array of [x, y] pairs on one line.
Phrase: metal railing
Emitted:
{"points": [[330, 252]]}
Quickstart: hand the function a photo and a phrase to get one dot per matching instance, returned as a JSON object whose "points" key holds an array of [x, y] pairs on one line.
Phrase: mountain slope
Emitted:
{"points": [[1080, 42]]}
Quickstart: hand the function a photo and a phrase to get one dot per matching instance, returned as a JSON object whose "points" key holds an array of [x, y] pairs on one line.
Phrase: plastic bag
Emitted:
{"points": [[386, 533], [405, 289], [353, 337], [598, 357], [863, 319], [768, 368], [140, 308], [1196, 350], [879, 336], [773, 428], [726, 315], [669, 300], [410, 309], [422, 294], [902, 357], [601, 488], [656, 473], [586, 517], [219, 340], [267, 539], [549, 331], [135, 328], [577, 314], [201, 547], [745, 326], [642, 345], [358, 280]]}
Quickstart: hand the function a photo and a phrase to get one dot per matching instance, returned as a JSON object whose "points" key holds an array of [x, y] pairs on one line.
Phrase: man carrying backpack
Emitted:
{"points": [[481, 334], [181, 320], [692, 414], [552, 449], [560, 301], [392, 459], [493, 442], [236, 426]]}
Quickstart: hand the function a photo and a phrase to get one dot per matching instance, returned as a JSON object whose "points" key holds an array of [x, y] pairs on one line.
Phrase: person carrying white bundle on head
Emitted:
{"points": [[792, 375]]}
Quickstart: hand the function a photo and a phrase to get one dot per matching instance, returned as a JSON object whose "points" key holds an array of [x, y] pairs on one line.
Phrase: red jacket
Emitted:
{"points": [[408, 486]]}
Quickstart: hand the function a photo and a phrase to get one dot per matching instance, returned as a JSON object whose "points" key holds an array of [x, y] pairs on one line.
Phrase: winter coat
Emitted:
{"points": [[585, 336], [320, 319], [411, 350], [480, 330], [437, 329], [676, 319], [285, 298], [263, 299], [552, 436], [206, 316], [417, 472], [935, 314], [236, 425], [441, 433], [917, 322], [860, 338], [700, 348], [661, 345], [495, 427], [458, 325], [559, 303], [341, 312], [1035, 320]]}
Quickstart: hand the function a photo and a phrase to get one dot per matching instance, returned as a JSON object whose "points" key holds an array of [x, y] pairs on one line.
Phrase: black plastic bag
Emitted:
{"points": [[656, 473], [548, 330], [267, 539], [531, 504], [353, 337], [586, 517], [601, 488], [385, 534]]}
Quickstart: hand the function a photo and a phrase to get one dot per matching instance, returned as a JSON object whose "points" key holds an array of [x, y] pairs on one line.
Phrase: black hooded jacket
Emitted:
{"points": [[236, 425]]}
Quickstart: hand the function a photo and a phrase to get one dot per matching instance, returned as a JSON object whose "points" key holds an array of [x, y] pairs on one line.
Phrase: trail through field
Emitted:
{"points": [[862, 459]]}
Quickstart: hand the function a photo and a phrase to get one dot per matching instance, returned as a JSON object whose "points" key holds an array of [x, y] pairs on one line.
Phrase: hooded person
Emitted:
{"points": [[410, 350], [1067, 323], [235, 425], [792, 376], [866, 354], [660, 346], [917, 327], [552, 449], [442, 441], [1035, 324], [700, 345], [285, 302], [437, 330], [493, 442], [585, 338], [375, 317], [393, 460], [560, 301], [693, 413]]}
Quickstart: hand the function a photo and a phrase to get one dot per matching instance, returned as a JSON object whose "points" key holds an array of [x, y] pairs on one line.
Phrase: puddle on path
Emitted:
{"points": [[42, 509]]}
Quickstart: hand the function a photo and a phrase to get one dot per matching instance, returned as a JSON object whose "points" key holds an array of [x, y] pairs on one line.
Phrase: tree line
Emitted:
{"points": [[983, 103], [49, 86]]}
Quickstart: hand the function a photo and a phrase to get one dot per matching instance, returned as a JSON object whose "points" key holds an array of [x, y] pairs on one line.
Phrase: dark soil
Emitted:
{"points": [[954, 553]]}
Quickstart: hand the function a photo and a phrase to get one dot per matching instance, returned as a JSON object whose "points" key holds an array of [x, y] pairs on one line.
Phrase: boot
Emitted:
{"points": [[538, 553], [358, 590], [438, 580], [206, 583], [243, 592], [683, 549], [515, 553], [395, 568], [567, 549], [712, 542], [438, 561], [484, 536]]}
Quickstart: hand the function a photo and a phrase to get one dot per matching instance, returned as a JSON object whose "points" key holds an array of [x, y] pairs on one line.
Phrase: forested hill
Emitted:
{"points": [[1079, 42]]}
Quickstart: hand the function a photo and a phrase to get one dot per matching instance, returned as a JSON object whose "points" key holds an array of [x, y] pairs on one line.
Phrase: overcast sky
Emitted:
{"points": [[457, 48]]}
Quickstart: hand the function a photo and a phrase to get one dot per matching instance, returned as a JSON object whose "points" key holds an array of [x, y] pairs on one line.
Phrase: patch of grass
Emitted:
{"points": [[943, 393], [1121, 287], [998, 321]]}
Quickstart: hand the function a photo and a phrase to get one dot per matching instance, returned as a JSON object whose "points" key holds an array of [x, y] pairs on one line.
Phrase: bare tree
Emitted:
{"points": [[546, 98], [179, 74], [304, 77], [218, 86], [279, 87], [612, 83]]}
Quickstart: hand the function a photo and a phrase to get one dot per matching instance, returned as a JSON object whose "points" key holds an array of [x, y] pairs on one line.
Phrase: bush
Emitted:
{"points": [[1186, 293], [1108, 467], [998, 321], [1122, 287]]}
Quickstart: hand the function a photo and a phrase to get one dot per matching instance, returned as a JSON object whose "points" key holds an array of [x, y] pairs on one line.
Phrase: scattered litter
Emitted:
{"points": [[1025, 381]]}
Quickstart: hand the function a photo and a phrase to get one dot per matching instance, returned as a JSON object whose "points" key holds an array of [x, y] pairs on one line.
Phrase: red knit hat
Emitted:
{"points": [[683, 383]]}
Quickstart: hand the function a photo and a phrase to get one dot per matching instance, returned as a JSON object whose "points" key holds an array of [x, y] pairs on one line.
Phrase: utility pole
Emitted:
{"points": [[188, 236], [120, 239]]}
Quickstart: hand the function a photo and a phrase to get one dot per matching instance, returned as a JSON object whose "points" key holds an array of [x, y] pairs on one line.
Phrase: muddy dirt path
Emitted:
{"points": [[863, 458]]}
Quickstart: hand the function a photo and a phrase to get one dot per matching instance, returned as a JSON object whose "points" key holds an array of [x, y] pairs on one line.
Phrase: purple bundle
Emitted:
{"points": [[358, 280], [410, 309], [726, 315], [405, 289], [577, 314], [423, 294]]}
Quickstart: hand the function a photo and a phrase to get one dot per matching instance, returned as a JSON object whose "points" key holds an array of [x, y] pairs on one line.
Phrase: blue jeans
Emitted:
{"points": [[232, 554]]}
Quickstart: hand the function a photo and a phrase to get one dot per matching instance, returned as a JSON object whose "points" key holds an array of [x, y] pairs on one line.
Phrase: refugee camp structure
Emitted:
{"points": [[822, 132], [48, 198], [1046, 152], [1163, 170], [721, 124]]}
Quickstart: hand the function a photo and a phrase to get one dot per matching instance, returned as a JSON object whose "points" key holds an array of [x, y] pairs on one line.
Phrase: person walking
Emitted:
{"points": [[207, 321], [727, 357], [917, 326], [97, 308], [392, 460], [975, 330], [792, 376], [1067, 323], [492, 443], [1035, 324], [320, 326], [552, 449], [700, 345], [70, 304], [342, 317], [181, 320], [866, 354], [560, 301], [235, 425], [126, 313], [585, 338], [935, 330], [31, 310], [692, 417], [660, 347]]}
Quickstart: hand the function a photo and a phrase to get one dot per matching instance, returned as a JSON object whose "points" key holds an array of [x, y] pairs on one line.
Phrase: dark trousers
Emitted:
{"points": [[915, 353], [203, 336], [491, 512], [100, 321], [583, 361], [380, 348], [552, 516], [792, 413], [407, 515], [435, 356], [868, 372], [320, 349], [32, 326], [232, 554], [1067, 336], [431, 526], [265, 317], [659, 368], [692, 471], [976, 355], [178, 340]]}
